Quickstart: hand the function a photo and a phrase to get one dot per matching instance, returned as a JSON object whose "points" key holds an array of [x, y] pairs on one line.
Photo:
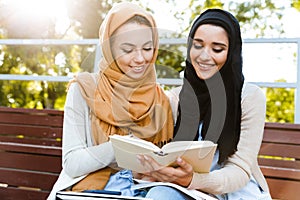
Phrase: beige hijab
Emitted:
{"points": [[118, 103]]}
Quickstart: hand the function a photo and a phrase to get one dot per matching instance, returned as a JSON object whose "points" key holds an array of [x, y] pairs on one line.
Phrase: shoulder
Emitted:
{"points": [[74, 99], [252, 92], [253, 101], [83, 81], [74, 90]]}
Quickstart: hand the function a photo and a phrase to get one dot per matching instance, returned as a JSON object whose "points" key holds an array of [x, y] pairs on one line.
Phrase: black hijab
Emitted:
{"points": [[215, 101]]}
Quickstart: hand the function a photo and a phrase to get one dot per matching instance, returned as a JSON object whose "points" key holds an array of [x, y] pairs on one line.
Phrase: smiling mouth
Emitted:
{"points": [[206, 66], [137, 68]]}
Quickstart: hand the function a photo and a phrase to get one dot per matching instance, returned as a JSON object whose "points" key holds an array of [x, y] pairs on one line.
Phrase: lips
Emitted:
{"points": [[205, 66], [137, 68]]}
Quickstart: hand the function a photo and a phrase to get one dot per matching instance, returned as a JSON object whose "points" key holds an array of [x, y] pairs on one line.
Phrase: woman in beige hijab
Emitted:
{"points": [[123, 98]]}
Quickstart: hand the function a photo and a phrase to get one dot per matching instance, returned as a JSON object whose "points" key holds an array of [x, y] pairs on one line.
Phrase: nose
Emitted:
{"points": [[204, 54], [138, 56]]}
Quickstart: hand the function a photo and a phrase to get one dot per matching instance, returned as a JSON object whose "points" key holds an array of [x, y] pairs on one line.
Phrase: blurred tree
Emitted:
{"points": [[257, 16], [37, 60], [85, 17], [296, 4], [280, 104]]}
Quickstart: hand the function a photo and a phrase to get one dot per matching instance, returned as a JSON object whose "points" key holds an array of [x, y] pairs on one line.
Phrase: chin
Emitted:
{"points": [[135, 75]]}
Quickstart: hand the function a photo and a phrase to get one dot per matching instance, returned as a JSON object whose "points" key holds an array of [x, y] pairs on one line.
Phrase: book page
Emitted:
{"points": [[135, 141], [183, 145]]}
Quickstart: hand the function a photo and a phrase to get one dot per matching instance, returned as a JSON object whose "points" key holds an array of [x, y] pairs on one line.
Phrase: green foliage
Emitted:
{"points": [[85, 19], [296, 4], [280, 104], [38, 60], [171, 57]]}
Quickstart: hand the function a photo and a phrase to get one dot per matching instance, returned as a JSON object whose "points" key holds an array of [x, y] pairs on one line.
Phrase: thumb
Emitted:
{"points": [[183, 164]]}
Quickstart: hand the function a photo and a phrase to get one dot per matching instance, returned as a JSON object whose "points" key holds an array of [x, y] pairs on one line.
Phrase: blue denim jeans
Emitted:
{"points": [[166, 193], [122, 182]]}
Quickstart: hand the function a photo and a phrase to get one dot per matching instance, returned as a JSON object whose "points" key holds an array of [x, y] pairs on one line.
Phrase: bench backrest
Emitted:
{"points": [[31, 126], [279, 159], [30, 151]]}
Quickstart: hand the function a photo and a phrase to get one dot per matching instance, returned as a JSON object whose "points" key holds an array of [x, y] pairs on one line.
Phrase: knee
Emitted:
{"points": [[164, 192]]}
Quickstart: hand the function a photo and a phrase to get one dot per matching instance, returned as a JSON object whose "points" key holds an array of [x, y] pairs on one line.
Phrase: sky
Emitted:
{"points": [[259, 60]]}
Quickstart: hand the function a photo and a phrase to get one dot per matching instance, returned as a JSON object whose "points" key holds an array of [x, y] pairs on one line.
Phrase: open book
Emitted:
{"points": [[198, 153]]}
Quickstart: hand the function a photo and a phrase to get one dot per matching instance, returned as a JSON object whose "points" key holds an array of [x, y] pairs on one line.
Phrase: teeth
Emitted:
{"points": [[138, 68], [201, 65], [205, 66]]}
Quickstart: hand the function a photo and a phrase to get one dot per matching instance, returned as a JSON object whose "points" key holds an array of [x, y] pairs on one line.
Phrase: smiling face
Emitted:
{"points": [[209, 50], [132, 48]]}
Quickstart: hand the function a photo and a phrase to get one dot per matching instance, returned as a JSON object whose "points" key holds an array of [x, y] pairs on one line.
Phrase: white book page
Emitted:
{"points": [[136, 141], [183, 145]]}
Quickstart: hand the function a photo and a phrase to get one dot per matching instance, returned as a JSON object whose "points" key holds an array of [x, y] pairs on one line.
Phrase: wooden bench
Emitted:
{"points": [[280, 160], [30, 150]]}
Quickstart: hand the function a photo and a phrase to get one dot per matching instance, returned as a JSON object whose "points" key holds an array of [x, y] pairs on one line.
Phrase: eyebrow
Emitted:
{"points": [[215, 43], [129, 44]]}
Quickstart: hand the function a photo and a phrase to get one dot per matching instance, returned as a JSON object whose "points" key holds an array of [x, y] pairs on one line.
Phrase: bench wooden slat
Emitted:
{"points": [[30, 111], [33, 141], [11, 193], [289, 164], [31, 119], [282, 126], [280, 136], [277, 172], [284, 189], [30, 179], [31, 131], [282, 150], [44, 163], [282, 133], [27, 148]]}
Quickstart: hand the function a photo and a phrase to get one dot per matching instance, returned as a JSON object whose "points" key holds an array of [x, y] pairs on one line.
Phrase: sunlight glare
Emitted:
{"points": [[52, 9]]}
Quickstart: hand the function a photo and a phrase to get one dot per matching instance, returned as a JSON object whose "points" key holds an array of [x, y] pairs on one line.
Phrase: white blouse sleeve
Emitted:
{"points": [[79, 156]]}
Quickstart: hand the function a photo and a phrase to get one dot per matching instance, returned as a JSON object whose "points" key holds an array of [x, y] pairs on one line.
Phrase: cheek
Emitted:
{"points": [[193, 54], [148, 55], [123, 61], [221, 59], [193, 57]]}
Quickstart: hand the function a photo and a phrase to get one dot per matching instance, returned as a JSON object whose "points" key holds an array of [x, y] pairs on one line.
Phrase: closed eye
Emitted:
{"points": [[218, 50], [197, 45], [148, 48], [127, 50]]}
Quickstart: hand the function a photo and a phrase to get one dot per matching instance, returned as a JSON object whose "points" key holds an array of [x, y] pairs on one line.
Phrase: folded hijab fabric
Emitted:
{"points": [[215, 102]]}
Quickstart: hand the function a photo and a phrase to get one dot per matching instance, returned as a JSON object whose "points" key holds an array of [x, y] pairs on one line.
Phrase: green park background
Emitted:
{"points": [[85, 17]]}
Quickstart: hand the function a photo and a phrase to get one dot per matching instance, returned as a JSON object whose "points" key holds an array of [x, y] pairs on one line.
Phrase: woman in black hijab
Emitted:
{"points": [[215, 104]]}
